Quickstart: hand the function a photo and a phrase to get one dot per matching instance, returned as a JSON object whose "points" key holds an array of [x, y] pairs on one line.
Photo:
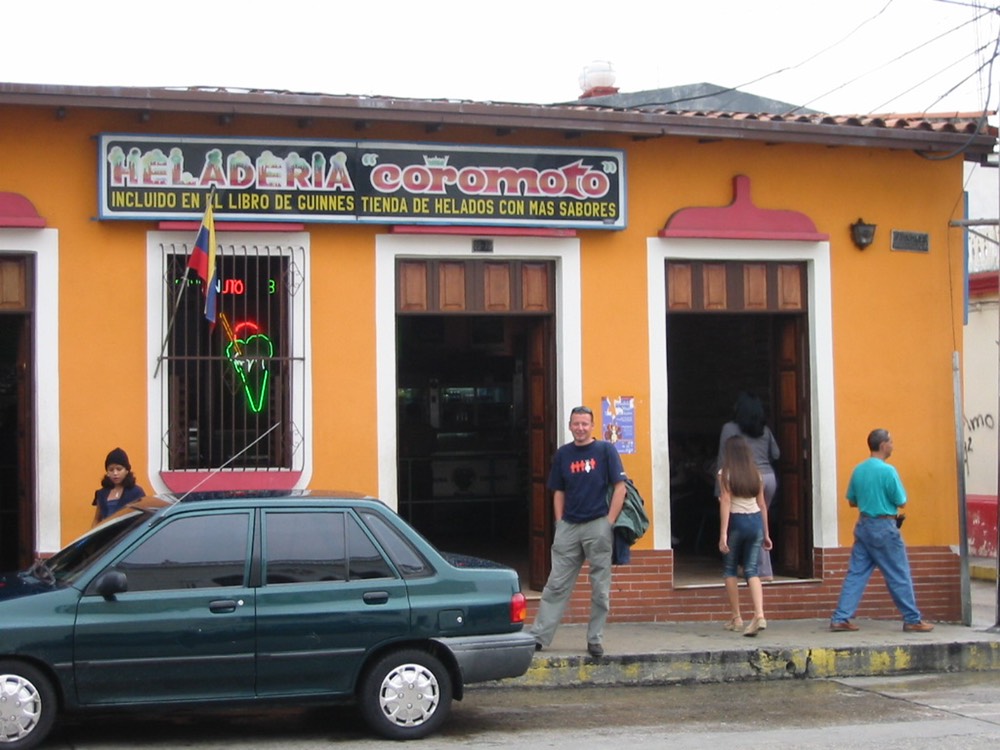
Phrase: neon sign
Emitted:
{"points": [[249, 355], [237, 287]]}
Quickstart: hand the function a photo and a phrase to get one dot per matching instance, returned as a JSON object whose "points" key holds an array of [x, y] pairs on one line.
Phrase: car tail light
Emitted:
{"points": [[518, 608]]}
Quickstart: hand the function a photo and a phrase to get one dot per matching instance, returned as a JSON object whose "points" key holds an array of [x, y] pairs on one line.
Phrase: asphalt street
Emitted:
{"points": [[926, 711]]}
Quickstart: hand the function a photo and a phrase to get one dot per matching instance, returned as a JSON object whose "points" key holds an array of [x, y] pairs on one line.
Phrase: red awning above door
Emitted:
{"points": [[18, 211]]}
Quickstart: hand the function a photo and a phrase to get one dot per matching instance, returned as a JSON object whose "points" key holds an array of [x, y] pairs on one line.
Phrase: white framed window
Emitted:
{"points": [[228, 404]]}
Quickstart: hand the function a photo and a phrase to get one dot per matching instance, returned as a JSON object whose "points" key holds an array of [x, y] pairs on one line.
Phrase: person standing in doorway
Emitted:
{"points": [[581, 473], [877, 492], [742, 530], [749, 422], [118, 487]]}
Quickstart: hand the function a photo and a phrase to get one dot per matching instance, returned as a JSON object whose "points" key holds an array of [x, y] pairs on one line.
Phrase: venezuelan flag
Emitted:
{"points": [[202, 260]]}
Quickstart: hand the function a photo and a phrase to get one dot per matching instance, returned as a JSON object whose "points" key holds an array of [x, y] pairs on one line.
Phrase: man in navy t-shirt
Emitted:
{"points": [[581, 473]]}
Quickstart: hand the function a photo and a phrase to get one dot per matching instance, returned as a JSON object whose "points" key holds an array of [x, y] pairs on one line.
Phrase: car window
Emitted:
{"points": [[192, 552], [365, 559], [304, 548], [409, 562], [67, 564]]}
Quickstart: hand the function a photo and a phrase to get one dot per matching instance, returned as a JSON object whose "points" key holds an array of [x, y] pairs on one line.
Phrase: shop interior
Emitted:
{"points": [[462, 434], [463, 451], [710, 359]]}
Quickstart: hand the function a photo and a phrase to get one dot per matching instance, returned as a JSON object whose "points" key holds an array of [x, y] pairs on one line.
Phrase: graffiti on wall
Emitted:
{"points": [[973, 426]]}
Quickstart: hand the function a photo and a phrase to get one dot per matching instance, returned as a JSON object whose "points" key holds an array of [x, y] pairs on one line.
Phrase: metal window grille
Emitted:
{"points": [[230, 400]]}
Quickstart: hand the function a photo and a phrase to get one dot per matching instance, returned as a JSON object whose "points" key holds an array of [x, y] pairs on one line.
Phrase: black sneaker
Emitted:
{"points": [[538, 646], [595, 649]]}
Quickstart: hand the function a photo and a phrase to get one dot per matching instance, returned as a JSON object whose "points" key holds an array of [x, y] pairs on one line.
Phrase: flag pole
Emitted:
{"points": [[170, 325], [177, 302]]}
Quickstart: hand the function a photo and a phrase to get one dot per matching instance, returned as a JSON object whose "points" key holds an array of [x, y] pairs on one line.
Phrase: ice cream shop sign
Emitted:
{"points": [[163, 177]]}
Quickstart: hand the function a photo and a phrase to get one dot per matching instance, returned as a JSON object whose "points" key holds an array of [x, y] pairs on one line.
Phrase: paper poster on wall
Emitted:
{"points": [[618, 422]]}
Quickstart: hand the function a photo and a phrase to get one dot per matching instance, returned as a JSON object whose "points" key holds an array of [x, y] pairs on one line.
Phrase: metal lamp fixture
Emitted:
{"points": [[863, 234]]}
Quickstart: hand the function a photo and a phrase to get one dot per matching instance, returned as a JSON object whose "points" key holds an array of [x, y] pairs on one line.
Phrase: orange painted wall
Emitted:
{"points": [[897, 316], [101, 302]]}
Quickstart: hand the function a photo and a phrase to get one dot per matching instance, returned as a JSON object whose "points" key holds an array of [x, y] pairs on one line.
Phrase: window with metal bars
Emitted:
{"points": [[230, 389]]}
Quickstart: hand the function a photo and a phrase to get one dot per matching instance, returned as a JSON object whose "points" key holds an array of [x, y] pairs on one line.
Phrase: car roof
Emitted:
{"points": [[269, 494], [221, 498]]}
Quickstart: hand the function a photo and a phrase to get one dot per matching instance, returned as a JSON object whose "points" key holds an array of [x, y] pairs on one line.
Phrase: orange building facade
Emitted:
{"points": [[651, 265]]}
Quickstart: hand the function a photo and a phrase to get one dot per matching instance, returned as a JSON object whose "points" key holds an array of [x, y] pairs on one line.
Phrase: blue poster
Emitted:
{"points": [[618, 422]]}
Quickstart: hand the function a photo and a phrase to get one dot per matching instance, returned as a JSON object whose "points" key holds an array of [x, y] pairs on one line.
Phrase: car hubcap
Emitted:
{"points": [[409, 695], [20, 708]]}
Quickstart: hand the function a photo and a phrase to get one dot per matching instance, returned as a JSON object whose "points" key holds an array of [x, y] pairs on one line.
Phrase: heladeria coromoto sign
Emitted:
{"points": [[268, 179]]}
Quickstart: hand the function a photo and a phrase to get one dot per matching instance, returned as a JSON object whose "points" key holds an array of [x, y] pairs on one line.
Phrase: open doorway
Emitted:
{"points": [[464, 415], [711, 357], [17, 518]]}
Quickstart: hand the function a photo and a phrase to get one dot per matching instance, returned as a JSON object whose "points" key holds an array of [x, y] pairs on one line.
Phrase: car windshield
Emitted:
{"points": [[67, 564]]}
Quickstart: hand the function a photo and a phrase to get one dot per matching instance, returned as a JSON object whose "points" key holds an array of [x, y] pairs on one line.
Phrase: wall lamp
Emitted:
{"points": [[862, 234]]}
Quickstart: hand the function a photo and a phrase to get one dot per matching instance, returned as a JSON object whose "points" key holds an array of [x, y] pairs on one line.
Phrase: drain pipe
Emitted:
{"points": [[963, 531]]}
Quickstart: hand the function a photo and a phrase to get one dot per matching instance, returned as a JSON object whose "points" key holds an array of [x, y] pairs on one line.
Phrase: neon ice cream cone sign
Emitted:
{"points": [[249, 351]]}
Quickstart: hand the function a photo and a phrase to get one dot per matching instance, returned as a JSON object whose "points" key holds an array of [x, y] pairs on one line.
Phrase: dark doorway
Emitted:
{"points": [[17, 522], [464, 411], [711, 357]]}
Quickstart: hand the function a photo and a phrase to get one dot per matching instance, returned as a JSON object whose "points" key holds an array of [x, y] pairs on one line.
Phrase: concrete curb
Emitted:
{"points": [[983, 571], [759, 664]]}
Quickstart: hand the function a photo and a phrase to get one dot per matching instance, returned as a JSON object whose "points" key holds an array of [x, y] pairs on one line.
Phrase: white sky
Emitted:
{"points": [[518, 51]]}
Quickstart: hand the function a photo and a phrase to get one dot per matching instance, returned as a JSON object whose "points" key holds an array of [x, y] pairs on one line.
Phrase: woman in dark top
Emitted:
{"points": [[118, 487]]}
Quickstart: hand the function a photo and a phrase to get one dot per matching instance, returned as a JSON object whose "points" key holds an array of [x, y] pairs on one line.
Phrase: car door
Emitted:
{"points": [[328, 597], [184, 629]]}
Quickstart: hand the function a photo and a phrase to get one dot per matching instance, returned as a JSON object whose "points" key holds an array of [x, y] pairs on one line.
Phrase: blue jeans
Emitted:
{"points": [[745, 536], [877, 544]]}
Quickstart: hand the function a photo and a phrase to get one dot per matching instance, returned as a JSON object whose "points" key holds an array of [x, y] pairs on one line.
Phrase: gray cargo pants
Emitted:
{"points": [[574, 543]]}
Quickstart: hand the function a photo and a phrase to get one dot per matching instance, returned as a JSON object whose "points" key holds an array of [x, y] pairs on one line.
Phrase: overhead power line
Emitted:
{"points": [[787, 68], [896, 59]]}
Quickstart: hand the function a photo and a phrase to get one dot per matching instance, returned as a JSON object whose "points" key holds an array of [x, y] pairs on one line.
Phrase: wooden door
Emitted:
{"points": [[539, 377], [25, 444], [792, 525]]}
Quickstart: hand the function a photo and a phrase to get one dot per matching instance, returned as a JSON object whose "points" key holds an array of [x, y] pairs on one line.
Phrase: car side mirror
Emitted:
{"points": [[111, 583]]}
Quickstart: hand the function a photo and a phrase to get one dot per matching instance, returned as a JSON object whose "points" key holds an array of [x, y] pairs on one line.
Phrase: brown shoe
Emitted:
{"points": [[917, 627], [843, 626]]}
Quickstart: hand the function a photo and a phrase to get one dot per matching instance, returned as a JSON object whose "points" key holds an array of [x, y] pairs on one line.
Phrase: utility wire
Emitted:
{"points": [[799, 64], [985, 12], [974, 53], [893, 60], [989, 89], [982, 118]]}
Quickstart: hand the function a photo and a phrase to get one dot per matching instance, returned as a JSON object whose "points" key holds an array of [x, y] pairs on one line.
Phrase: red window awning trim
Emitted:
{"points": [[232, 226], [483, 231], [180, 482], [742, 220], [18, 211]]}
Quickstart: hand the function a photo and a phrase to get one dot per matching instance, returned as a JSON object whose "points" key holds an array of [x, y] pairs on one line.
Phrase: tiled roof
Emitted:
{"points": [[940, 122], [936, 134]]}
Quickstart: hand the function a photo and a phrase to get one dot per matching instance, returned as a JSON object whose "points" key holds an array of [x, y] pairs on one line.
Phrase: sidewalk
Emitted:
{"points": [[673, 653]]}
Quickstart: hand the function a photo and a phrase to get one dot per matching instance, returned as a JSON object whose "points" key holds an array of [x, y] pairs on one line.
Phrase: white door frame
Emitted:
{"points": [[565, 252]]}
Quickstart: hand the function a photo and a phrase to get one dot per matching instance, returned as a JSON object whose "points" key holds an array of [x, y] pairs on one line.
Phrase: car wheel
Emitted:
{"points": [[406, 695], [27, 706]]}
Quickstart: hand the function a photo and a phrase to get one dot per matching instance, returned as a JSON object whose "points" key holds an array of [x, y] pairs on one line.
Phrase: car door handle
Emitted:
{"points": [[222, 606], [375, 597]]}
